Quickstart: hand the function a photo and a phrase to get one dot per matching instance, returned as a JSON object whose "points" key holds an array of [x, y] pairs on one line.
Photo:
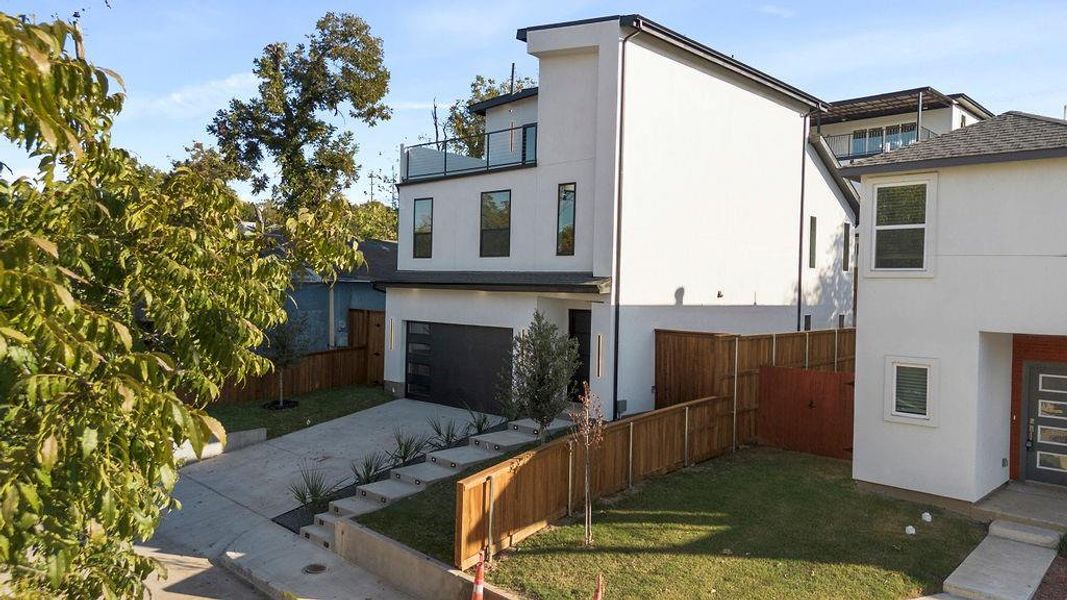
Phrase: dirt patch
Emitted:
{"points": [[1054, 585]]}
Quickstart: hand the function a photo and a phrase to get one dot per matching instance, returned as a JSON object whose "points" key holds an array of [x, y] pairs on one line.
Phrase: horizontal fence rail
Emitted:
{"points": [[360, 363], [511, 147], [503, 504]]}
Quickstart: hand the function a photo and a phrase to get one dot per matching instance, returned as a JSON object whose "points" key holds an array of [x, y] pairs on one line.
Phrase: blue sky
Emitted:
{"points": [[183, 60]]}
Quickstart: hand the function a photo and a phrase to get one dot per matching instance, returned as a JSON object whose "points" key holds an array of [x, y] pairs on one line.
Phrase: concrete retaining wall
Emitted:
{"points": [[404, 568], [234, 440]]}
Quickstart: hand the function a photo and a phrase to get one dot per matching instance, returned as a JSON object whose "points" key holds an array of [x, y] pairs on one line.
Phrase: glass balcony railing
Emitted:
{"points": [[868, 142], [492, 150]]}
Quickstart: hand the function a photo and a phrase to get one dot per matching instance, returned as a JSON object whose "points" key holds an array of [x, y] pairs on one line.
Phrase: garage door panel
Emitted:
{"points": [[457, 365]]}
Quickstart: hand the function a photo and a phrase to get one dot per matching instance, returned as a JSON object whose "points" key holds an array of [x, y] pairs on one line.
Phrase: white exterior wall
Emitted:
{"points": [[998, 267], [711, 210], [512, 114], [938, 120]]}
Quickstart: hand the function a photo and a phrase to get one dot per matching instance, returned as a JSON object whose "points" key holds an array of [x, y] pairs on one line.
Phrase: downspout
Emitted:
{"points": [[616, 282], [800, 237]]}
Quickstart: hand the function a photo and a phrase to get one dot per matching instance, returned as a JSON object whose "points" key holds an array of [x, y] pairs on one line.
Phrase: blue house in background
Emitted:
{"points": [[325, 307]]}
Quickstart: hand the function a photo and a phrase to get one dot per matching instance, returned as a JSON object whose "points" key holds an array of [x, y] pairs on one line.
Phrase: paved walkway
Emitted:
{"points": [[228, 501]]}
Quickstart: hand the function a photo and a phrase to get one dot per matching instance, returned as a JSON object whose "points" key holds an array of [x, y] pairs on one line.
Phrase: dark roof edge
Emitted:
{"points": [[883, 95], [731, 64], [521, 33], [1044, 118], [826, 155], [857, 171], [479, 108], [973, 105], [590, 288], [674, 38]]}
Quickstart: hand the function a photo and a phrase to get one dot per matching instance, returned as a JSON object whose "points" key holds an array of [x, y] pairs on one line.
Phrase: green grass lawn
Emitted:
{"points": [[314, 408], [761, 524]]}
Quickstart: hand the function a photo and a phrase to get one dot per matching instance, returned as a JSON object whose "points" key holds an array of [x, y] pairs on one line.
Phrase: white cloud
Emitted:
{"points": [[190, 101], [777, 11]]}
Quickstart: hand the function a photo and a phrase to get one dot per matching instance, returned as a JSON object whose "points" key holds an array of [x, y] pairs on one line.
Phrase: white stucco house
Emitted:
{"points": [[648, 182], [961, 358]]}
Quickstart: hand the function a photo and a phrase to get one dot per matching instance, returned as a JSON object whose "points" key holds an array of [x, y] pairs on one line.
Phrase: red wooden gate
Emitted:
{"points": [[806, 411]]}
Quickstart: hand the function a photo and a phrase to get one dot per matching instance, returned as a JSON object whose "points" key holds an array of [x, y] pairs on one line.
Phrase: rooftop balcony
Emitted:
{"points": [[491, 151], [868, 142]]}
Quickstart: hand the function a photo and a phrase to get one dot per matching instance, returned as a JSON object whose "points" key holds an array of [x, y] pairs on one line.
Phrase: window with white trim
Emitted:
{"points": [[911, 385], [900, 227]]}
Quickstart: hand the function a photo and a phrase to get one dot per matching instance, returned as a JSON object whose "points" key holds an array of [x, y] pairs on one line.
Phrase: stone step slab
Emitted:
{"points": [[1000, 569], [1028, 534]]}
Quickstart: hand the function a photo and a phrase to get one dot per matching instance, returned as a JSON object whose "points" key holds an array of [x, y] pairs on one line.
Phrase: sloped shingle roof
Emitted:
{"points": [[1007, 137]]}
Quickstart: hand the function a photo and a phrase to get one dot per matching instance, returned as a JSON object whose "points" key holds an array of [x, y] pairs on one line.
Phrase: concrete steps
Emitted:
{"points": [[460, 457], [387, 490], [352, 507], [531, 427], [1008, 565], [421, 474], [501, 441], [319, 535]]}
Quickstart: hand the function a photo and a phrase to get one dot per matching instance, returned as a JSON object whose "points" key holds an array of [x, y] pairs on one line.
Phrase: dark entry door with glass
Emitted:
{"points": [[1045, 426], [580, 327]]}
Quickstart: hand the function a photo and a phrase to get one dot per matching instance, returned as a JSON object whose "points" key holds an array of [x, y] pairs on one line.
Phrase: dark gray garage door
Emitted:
{"points": [[457, 365]]}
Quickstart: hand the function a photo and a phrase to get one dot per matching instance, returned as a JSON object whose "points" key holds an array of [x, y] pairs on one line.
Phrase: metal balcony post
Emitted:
{"points": [[444, 170], [488, 136]]}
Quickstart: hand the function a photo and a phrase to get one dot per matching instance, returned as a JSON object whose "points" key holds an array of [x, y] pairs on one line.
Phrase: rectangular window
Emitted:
{"points": [[422, 240], [812, 221], [907, 134], [846, 246], [565, 220], [859, 142], [807, 322], [900, 227], [496, 224], [874, 140], [840, 321], [910, 390]]}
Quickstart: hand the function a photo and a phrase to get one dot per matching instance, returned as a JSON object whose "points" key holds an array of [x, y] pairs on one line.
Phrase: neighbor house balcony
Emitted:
{"points": [[868, 142], [490, 151]]}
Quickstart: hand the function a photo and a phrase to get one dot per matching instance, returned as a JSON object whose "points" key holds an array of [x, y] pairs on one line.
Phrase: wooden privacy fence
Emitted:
{"points": [[359, 363], [503, 504], [806, 411], [697, 364]]}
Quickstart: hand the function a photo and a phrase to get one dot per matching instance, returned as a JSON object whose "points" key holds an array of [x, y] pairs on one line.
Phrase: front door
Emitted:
{"points": [[580, 327], [1045, 425]]}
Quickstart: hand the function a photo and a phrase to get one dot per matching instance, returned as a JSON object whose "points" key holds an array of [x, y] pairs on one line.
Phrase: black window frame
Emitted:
{"points": [[415, 229], [574, 217], [846, 247], [481, 225]]}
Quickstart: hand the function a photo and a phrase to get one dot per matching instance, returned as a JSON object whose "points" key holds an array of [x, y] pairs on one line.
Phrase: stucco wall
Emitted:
{"points": [[311, 300], [997, 267]]}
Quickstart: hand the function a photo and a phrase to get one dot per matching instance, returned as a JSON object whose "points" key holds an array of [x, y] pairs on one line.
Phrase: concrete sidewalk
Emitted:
{"points": [[228, 502]]}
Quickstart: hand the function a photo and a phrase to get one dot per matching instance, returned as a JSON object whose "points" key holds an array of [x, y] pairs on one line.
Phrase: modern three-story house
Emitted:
{"points": [[648, 182]]}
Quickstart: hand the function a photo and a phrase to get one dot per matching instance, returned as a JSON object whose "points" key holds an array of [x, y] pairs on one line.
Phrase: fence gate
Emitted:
{"points": [[806, 411]]}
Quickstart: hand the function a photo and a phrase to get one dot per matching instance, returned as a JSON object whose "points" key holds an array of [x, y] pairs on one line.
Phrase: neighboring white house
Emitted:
{"points": [[647, 182], [961, 363]]}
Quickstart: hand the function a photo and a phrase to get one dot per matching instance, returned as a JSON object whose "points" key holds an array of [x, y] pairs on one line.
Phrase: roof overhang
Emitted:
{"points": [[889, 103], [500, 281], [479, 108], [640, 23], [855, 172]]}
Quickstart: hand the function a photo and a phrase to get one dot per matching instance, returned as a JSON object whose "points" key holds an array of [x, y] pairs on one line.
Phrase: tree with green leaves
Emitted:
{"points": [[127, 297], [536, 377], [375, 220], [287, 344], [469, 128], [284, 128]]}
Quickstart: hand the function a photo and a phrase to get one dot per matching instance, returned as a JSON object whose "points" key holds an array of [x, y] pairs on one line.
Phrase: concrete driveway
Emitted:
{"points": [[228, 501]]}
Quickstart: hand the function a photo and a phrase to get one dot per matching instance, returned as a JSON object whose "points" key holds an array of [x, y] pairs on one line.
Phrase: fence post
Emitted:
{"points": [[736, 364], [570, 478], [807, 348], [836, 331], [489, 524], [685, 461], [630, 460]]}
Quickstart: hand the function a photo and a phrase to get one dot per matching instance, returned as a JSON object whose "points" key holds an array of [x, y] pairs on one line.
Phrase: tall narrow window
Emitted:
{"points": [[846, 246], [496, 223], [812, 221], [874, 140], [422, 240], [900, 227], [807, 322], [565, 220], [859, 142]]}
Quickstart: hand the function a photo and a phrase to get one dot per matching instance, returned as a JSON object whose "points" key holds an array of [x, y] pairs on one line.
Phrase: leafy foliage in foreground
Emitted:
{"points": [[127, 296]]}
